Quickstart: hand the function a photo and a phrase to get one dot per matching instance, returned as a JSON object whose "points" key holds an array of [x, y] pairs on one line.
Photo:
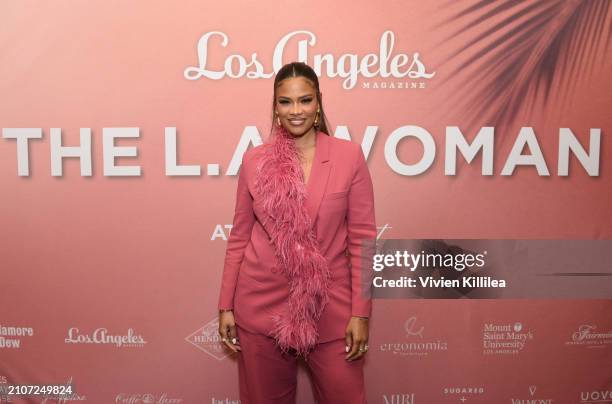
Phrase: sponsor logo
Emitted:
{"points": [[596, 396], [505, 339], [398, 398], [463, 392], [10, 336], [416, 342], [533, 399], [225, 400], [102, 336], [589, 336], [145, 398], [382, 69], [207, 339]]}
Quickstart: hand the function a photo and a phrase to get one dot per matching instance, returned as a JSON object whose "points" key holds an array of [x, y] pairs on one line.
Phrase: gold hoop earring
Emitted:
{"points": [[316, 121], [278, 122]]}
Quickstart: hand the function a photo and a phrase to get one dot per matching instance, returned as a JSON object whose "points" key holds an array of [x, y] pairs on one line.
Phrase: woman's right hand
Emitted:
{"points": [[227, 330]]}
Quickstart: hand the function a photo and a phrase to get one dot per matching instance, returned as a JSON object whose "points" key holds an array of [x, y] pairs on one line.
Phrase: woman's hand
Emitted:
{"points": [[227, 330], [357, 332]]}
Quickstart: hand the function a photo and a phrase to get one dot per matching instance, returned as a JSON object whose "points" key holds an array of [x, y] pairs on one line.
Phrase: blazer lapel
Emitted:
{"points": [[319, 175]]}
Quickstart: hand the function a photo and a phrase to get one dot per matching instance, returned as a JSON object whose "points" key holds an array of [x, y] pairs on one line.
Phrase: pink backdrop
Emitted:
{"points": [[141, 255]]}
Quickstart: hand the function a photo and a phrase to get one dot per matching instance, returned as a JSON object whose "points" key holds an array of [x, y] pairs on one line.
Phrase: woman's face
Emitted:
{"points": [[296, 105]]}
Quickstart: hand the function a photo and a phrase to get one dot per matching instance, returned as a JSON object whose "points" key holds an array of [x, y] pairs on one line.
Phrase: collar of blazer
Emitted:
{"points": [[319, 175]]}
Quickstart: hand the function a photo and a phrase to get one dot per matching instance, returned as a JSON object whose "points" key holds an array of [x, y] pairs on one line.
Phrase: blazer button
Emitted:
{"points": [[274, 270]]}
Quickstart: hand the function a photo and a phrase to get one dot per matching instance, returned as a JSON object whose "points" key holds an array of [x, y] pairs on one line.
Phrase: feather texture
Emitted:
{"points": [[280, 185]]}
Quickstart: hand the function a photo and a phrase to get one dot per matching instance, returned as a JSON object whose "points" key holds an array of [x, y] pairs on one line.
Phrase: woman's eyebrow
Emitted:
{"points": [[302, 96]]}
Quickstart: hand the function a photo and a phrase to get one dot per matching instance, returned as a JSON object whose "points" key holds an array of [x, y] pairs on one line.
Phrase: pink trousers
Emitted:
{"points": [[267, 376]]}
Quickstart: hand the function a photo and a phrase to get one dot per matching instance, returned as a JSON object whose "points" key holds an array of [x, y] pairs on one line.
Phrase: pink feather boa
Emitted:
{"points": [[280, 185]]}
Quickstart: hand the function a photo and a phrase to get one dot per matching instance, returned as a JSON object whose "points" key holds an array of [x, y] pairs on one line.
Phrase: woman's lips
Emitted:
{"points": [[297, 122]]}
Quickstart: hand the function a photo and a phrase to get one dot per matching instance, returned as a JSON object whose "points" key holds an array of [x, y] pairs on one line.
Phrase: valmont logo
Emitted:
{"points": [[347, 65], [532, 398]]}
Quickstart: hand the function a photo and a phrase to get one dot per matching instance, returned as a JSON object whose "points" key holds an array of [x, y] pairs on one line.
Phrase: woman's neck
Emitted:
{"points": [[307, 140]]}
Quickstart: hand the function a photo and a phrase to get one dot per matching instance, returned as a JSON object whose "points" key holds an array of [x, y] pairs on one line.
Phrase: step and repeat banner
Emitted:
{"points": [[485, 128]]}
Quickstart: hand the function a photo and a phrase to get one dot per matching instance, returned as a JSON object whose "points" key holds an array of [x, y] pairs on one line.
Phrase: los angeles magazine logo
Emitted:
{"points": [[130, 339], [406, 70]]}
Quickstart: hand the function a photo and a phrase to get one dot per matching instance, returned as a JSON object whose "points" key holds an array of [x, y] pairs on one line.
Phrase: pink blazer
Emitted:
{"points": [[340, 200]]}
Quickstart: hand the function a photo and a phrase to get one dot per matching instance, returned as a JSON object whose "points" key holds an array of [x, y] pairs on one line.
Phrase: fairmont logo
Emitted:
{"points": [[588, 335], [382, 64]]}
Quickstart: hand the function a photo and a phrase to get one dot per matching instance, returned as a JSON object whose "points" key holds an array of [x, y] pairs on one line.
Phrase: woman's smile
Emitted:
{"points": [[297, 122]]}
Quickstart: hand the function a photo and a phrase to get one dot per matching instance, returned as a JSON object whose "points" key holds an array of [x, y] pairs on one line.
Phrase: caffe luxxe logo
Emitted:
{"points": [[349, 66], [135, 398]]}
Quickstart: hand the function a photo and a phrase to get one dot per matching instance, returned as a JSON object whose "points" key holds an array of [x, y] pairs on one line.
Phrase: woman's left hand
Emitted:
{"points": [[356, 333]]}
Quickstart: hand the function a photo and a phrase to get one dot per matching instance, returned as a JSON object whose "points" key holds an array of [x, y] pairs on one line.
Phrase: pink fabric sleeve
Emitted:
{"points": [[240, 234], [361, 225]]}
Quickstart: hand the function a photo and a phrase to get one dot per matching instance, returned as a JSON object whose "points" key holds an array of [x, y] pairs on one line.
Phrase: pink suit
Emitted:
{"points": [[340, 201]]}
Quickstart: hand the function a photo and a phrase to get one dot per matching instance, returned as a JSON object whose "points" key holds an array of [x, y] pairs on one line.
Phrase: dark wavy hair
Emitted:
{"points": [[300, 69]]}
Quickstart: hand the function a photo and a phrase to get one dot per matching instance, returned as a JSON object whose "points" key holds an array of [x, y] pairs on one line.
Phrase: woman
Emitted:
{"points": [[292, 281]]}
